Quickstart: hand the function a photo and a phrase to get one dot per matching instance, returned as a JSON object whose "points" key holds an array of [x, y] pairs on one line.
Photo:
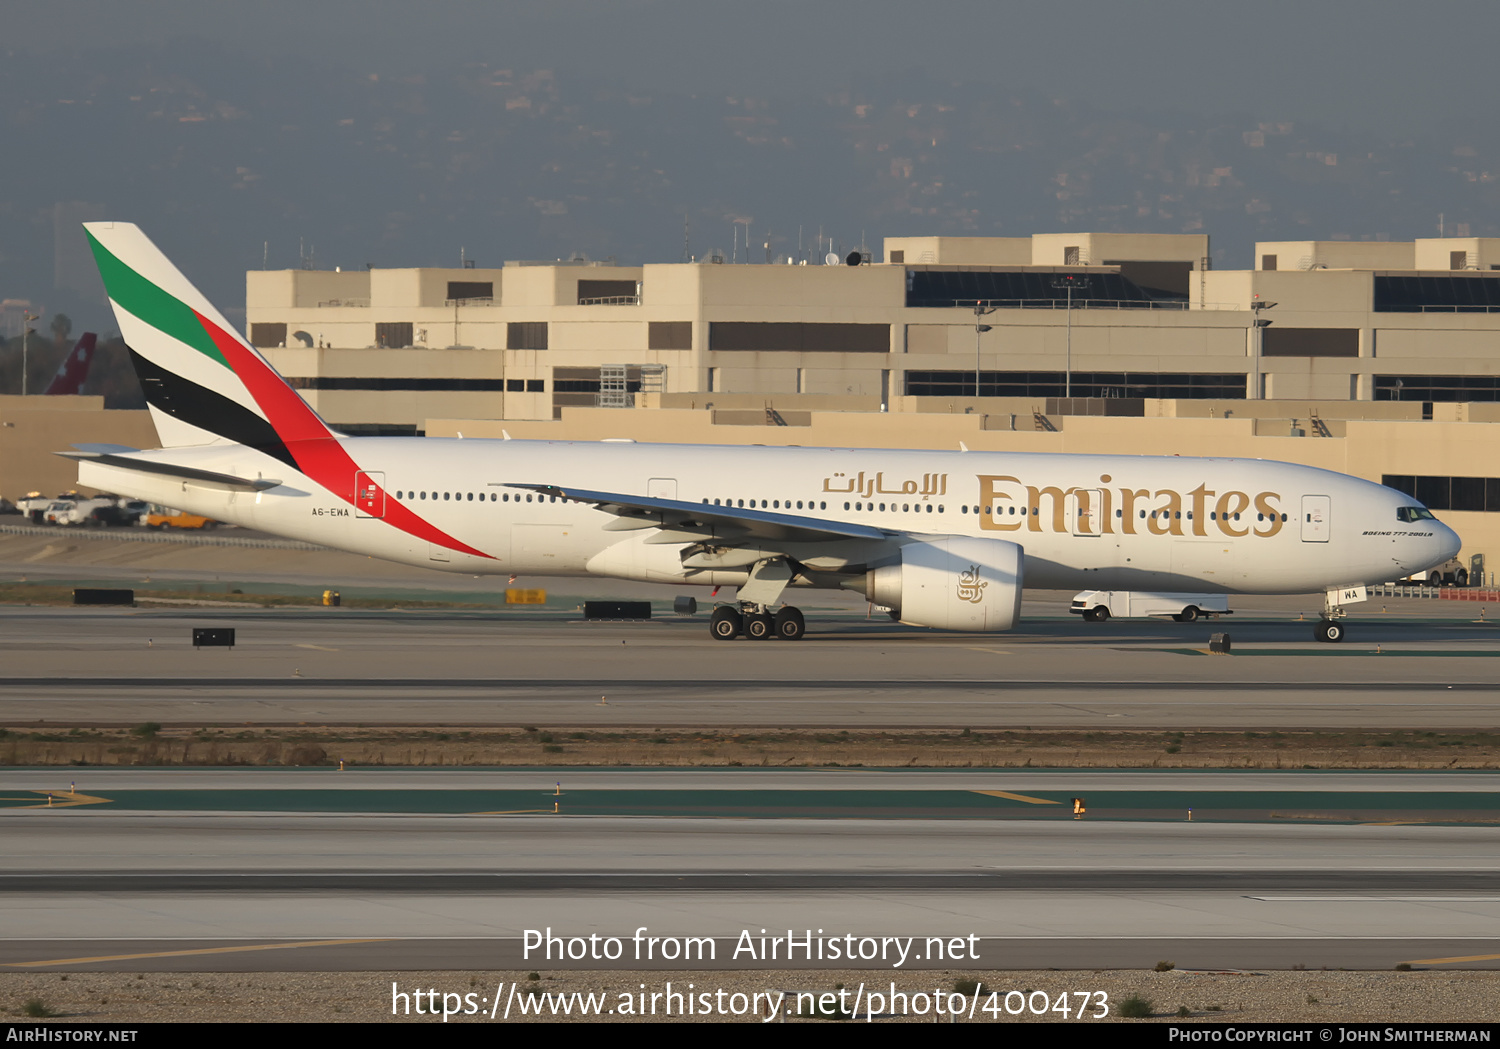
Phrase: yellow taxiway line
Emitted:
{"points": [[178, 954], [1018, 797]]}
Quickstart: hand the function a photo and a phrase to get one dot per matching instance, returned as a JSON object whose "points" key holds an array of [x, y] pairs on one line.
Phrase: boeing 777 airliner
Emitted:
{"points": [[942, 539]]}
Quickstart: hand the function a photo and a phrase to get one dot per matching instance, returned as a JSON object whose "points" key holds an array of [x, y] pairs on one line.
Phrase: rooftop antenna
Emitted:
{"points": [[734, 250], [463, 262], [685, 246], [265, 253], [768, 247]]}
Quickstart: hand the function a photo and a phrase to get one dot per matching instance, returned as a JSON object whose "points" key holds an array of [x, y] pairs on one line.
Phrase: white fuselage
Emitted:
{"points": [[1084, 521]]}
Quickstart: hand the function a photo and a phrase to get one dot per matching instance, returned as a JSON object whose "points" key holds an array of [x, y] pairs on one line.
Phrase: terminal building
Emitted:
{"points": [[1080, 317]]}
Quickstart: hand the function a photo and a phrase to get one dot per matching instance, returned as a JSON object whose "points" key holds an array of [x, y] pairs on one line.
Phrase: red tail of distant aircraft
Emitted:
{"points": [[75, 368]]}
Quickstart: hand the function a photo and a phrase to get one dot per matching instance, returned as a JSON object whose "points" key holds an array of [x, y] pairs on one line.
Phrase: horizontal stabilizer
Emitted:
{"points": [[152, 466]]}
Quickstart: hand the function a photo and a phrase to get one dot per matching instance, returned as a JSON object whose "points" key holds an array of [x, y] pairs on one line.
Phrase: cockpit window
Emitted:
{"points": [[1414, 513]]}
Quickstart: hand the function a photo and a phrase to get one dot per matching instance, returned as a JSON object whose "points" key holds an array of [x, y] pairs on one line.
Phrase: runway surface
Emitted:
{"points": [[336, 666], [404, 869], [206, 888]]}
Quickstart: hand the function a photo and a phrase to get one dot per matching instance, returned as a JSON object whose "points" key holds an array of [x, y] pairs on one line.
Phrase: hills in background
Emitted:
{"points": [[230, 159]]}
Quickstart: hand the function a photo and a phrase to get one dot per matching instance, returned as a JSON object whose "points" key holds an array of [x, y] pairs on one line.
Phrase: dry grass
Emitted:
{"points": [[300, 745]]}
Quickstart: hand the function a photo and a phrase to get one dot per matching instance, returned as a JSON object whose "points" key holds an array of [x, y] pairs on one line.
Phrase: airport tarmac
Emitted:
{"points": [[192, 883], [1426, 665]]}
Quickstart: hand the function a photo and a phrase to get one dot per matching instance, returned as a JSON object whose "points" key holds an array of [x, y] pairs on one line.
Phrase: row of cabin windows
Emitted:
{"points": [[460, 497], [1162, 515], [778, 504], [904, 508], [773, 504]]}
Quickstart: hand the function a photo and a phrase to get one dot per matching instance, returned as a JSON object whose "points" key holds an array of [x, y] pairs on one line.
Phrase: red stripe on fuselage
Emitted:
{"points": [[318, 453]]}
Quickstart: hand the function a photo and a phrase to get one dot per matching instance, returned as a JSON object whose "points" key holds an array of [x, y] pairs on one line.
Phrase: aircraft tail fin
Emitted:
{"points": [[203, 382], [74, 370]]}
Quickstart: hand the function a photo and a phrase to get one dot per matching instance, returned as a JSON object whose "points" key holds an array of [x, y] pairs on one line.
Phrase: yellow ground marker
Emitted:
{"points": [[59, 799], [1018, 797], [199, 950], [1446, 961]]}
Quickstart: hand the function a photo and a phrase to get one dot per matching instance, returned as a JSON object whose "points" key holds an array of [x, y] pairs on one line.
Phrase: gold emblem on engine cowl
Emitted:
{"points": [[970, 586]]}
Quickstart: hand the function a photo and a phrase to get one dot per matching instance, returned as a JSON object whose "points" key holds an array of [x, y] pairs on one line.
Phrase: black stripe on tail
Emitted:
{"points": [[207, 410]]}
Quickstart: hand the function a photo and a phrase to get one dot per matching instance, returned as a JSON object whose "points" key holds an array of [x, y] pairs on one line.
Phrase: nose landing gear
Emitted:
{"points": [[1331, 626]]}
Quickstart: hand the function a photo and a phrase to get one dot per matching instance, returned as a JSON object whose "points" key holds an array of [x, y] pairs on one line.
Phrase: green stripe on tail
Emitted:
{"points": [[145, 300]]}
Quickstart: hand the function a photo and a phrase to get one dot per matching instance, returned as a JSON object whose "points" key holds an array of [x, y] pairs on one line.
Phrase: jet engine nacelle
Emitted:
{"points": [[954, 583]]}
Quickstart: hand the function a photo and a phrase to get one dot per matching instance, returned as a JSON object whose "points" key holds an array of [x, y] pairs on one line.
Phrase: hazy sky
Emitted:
{"points": [[1389, 64]]}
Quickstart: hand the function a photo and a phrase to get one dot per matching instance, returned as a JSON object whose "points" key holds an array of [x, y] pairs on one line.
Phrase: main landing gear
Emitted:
{"points": [[757, 623], [1331, 626]]}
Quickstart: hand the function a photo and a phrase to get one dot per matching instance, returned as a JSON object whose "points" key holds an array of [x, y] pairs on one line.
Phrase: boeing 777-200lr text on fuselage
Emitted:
{"points": [[942, 539]]}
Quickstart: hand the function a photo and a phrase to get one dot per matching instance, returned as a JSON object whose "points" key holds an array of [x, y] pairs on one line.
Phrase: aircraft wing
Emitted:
{"points": [[683, 522]]}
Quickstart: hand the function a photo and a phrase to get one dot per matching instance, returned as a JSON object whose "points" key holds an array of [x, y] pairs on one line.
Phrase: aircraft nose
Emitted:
{"points": [[1452, 544]]}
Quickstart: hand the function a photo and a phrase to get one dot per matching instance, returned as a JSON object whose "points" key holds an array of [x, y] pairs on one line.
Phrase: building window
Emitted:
{"points": [[1474, 494], [796, 337], [526, 335], [1309, 342], [1107, 385], [1020, 288], [268, 335], [393, 334], [1467, 293], [515, 385], [463, 290], [342, 382], [1429, 388], [669, 335], [1159, 279], [608, 293], [898, 257], [1268, 262], [536, 385]]}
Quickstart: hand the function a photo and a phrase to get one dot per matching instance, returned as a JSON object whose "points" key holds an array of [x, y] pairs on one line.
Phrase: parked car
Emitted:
{"points": [[162, 517]]}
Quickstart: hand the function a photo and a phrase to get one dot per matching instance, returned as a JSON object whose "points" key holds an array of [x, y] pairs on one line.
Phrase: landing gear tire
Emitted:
{"points": [[790, 625], [1331, 631], [760, 627], [1187, 615], [725, 624]]}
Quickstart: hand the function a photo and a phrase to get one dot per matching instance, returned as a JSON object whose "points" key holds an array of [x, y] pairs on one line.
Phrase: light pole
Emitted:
{"points": [[1069, 283], [1256, 305], [26, 319], [980, 309]]}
